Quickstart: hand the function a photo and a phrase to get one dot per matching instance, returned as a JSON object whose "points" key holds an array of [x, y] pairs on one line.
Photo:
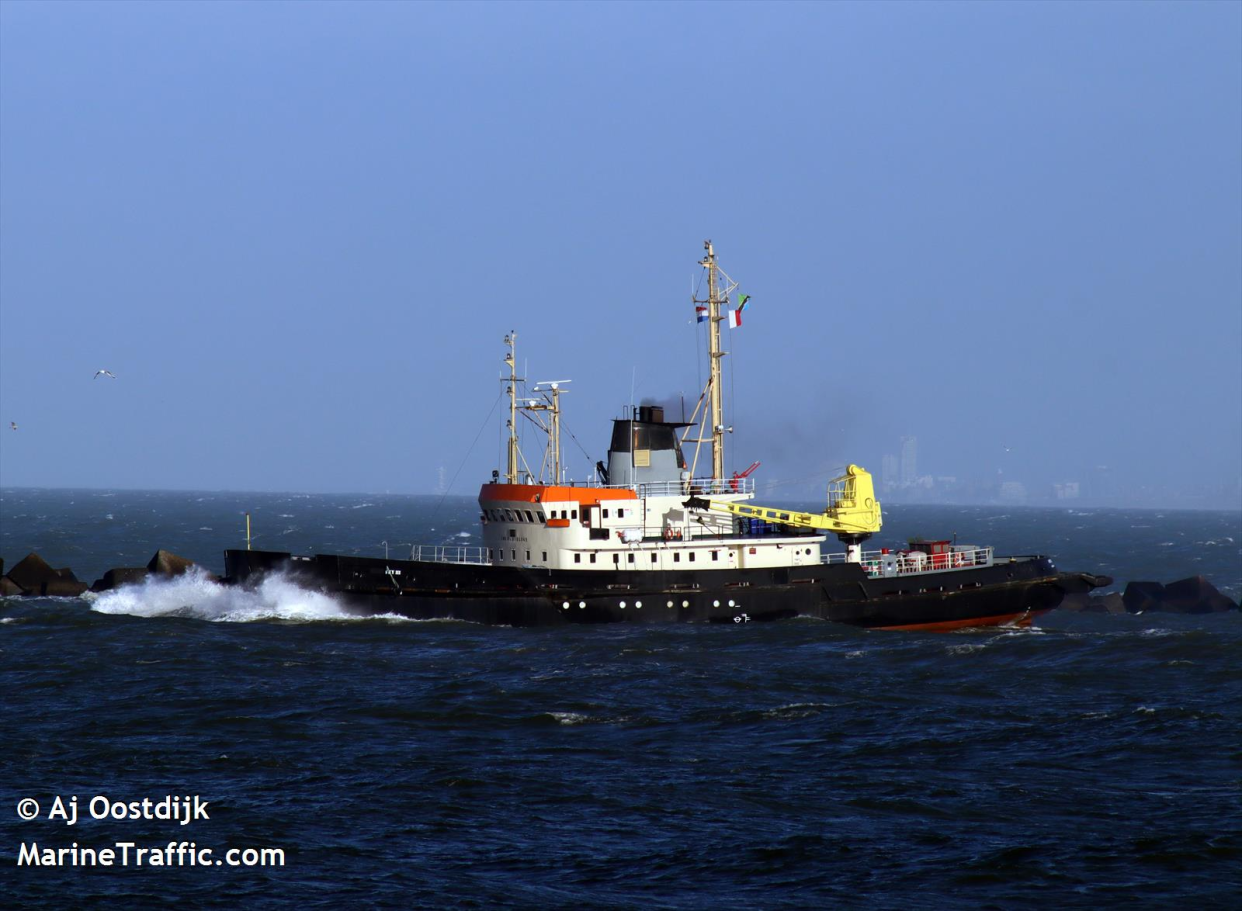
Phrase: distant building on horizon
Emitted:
{"points": [[889, 476], [909, 460], [1012, 492], [1067, 490]]}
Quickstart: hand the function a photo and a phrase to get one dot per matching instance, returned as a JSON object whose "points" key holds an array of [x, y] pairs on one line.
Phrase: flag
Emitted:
{"points": [[742, 302], [701, 313], [735, 318]]}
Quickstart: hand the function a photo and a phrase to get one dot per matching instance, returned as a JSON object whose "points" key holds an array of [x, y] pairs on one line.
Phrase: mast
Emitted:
{"points": [[555, 436], [511, 462], [714, 356]]}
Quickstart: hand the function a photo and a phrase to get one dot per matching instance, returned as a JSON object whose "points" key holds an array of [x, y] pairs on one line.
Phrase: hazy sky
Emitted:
{"points": [[297, 234]]}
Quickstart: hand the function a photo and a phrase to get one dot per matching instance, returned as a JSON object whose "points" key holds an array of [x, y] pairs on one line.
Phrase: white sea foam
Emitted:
{"points": [[570, 717], [195, 595]]}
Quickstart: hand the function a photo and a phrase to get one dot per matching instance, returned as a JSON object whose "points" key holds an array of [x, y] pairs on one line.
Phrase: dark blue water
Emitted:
{"points": [[1094, 760]]}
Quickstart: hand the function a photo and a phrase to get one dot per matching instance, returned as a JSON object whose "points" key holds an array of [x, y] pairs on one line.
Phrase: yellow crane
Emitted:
{"points": [[853, 512]]}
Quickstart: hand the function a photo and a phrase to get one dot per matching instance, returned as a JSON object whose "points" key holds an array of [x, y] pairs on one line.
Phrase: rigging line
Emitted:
{"points": [[732, 395], [839, 470], [565, 428], [482, 427]]}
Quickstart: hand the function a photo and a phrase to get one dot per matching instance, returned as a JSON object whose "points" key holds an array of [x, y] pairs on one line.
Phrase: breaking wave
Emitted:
{"points": [[196, 595]]}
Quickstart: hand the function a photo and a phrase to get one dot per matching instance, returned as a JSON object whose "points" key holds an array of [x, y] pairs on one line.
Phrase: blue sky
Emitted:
{"points": [[299, 232]]}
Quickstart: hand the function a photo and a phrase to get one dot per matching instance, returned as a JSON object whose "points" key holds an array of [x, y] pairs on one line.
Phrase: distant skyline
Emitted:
{"points": [[297, 234]]}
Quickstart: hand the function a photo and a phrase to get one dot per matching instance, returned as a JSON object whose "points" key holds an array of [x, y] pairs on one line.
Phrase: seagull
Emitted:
{"points": [[99, 373], [12, 425]]}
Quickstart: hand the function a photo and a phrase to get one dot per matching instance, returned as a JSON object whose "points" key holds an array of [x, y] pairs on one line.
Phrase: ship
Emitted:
{"points": [[651, 538]]}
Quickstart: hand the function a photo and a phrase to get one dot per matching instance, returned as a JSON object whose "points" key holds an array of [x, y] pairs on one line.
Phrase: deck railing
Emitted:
{"points": [[697, 486], [878, 563], [448, 553]]}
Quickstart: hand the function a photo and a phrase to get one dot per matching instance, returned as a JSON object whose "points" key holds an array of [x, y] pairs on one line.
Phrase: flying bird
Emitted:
{"points": [[99, 373], [12, 425]]}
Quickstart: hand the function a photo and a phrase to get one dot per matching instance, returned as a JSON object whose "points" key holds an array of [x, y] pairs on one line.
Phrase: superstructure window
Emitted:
{"points": [[575, 514], [715, 555], [592, 558], [631, 558], [691, 556], [528, 556], [577, 558], [616, 558], [514, 552], [605, 514], [654, 557], [620, 513], [676, 556], [545, 556]]}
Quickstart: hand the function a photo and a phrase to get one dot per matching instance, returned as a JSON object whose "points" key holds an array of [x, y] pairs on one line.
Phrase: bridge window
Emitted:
{"points": [[529, 517], [542, 517]]}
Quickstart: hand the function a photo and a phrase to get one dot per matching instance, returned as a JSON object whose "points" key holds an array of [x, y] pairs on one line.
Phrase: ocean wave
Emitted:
{"points": [[196, 595]]}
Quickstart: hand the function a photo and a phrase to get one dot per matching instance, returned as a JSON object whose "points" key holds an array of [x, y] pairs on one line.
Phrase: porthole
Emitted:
{"points": [[715, 604], [622, 605], [670, 604], [638, 604], [731, 603], [685, 604], [565, 605], [581, 604]]}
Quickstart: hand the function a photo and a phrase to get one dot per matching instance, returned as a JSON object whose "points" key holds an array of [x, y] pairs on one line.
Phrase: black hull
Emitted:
{"points": [[1006, 592]]}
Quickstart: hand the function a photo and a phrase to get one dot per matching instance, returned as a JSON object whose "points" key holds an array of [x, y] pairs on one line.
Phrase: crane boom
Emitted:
{"points": [[852, 510]]}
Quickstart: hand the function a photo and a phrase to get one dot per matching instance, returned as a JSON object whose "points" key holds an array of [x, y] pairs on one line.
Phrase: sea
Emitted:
{"points": [[265, 749]]}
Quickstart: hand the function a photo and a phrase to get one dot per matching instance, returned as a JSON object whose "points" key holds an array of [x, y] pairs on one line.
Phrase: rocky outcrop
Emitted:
{"points": [[1195, 595], [1094, 604], [166, 563], [31, 573], [35, 577], [123, 575]]}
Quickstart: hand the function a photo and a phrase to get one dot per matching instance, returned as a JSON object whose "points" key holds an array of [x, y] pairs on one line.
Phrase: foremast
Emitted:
{"points": [[716, 297]]}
